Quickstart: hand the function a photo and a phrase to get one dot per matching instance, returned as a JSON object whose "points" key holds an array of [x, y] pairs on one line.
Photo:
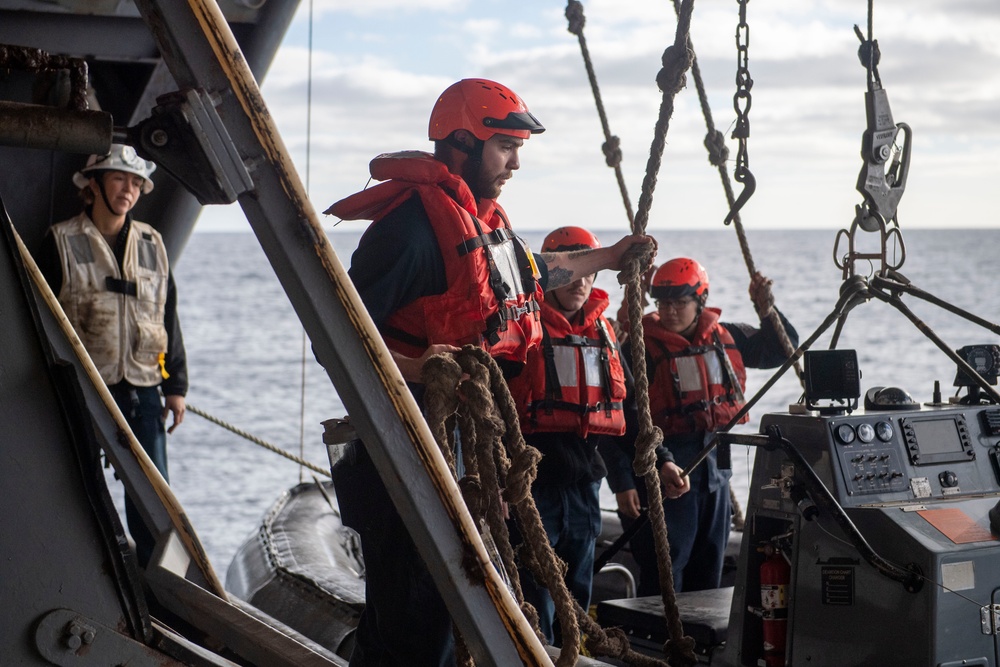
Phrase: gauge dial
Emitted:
{"points": [[866, 432], [884, 431], [845, 433]]}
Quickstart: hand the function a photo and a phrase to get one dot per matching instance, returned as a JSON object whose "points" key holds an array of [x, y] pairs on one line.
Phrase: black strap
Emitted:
{"points": [[573, 340], [548, 406], [126, 287], [498, 321], [552, 384], [495, 237], [402, 336], [720, 348]]}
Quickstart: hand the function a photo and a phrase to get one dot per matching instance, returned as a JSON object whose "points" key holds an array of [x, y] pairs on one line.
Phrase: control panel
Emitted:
{"points": [[898, 456]]}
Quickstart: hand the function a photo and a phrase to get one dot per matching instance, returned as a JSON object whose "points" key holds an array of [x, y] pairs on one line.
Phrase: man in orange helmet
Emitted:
{"points": [[569, 395], [438, 268], [696, 367]]}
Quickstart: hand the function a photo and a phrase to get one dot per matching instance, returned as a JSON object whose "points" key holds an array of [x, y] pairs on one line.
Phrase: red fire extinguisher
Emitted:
{"points": [[775, 577]]}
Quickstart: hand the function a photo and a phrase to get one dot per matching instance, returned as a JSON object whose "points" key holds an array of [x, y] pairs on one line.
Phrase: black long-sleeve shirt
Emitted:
{"points": [[175, 359]]}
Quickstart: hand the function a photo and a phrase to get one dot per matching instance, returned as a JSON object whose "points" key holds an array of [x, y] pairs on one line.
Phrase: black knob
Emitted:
{"points": [[948, 479]]}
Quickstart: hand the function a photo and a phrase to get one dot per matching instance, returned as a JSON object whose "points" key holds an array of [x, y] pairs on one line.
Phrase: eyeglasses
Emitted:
{"points": [[675, 305]]}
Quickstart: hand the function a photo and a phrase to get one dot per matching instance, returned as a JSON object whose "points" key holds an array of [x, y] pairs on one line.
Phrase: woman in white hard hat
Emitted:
{"points": [[112, 277]]}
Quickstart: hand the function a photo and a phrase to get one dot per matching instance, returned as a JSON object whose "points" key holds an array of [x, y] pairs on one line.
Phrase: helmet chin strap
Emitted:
{"points": [[475, 151], [99, 178]]}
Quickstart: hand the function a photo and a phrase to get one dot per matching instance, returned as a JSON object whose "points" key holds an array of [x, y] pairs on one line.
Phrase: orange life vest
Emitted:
{"points": [[492, 296], [573, 382], [693, 388]]}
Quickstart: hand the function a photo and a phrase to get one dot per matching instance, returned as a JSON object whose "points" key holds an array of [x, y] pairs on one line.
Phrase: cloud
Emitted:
{"points": [[379, 65]]}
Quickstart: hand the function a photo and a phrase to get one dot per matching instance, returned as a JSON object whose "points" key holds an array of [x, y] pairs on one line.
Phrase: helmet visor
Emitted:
{"points": [[515, 121]]}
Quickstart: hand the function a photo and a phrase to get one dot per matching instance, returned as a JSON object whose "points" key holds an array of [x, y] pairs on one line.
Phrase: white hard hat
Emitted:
{"points": [[121, 158]]}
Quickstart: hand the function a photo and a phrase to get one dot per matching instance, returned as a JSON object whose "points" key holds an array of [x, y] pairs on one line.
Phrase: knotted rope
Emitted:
{"points": [[718, 154], [670, 79], [677, 58], [612, 144], [469, 391], [679, 649]]}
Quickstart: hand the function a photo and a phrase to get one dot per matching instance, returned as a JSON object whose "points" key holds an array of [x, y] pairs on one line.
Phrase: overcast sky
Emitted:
{"points": [[378, 66]]}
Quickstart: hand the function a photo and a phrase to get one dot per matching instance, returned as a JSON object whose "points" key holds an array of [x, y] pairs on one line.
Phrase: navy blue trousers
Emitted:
{"points": [[698, 530], [143, 411], [571, 516]]}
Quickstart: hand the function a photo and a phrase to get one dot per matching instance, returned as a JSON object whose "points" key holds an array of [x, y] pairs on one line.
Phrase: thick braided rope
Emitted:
{"points": [[540, 557], [547, 568], [676, 60], [492, 462], [679, 649], [486, 416], [612, 144], [718, 153], [441, 376]]}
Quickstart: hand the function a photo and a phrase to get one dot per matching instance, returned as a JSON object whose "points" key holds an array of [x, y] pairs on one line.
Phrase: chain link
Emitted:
{"points": [[741, 103], [742, 99]]}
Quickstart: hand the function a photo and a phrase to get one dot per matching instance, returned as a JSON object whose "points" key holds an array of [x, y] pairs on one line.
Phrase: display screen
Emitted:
{"points": [[937, 436]]}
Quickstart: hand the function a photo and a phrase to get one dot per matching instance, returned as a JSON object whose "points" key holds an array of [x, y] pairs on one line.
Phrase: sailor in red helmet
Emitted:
{"points": [[569, 395], [440, 267], [696, 368]]}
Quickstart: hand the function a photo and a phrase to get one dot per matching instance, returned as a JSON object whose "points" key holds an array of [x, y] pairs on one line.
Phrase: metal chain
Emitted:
{"points": [[741, 104]]}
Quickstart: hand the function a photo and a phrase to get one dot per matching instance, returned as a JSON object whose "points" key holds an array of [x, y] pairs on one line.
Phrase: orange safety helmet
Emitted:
{"points": [[484, 108], [678, 278], [569, 238]]}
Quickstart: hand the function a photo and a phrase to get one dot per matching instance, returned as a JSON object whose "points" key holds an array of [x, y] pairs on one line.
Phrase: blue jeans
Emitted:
{"points": [[571, 516], [143, 412]]}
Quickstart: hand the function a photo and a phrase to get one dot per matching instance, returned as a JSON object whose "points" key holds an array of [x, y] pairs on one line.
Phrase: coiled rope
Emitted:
{"points": [[257, 441], [469, 391]]}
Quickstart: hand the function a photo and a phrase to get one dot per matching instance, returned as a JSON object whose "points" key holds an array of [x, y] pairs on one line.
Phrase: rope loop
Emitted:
{"points": [[574, 14], [718, 151], [680, 651], [523, 468]]}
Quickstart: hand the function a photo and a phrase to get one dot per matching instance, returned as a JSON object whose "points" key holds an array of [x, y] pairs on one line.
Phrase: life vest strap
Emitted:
{"points": [[548, 406], [573, 340], [126, 287], [495, 237], [402, 336]]}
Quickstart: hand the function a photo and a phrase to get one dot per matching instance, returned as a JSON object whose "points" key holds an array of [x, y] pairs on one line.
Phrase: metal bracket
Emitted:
{"points": [[64, 637], [186, 136], [989, 619]]}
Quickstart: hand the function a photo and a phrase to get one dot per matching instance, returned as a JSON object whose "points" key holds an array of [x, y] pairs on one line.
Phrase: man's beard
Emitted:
{"points": [[482, 186]]}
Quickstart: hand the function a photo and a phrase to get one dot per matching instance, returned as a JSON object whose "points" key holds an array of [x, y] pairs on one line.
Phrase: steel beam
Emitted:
{"points": [[202, 53]]}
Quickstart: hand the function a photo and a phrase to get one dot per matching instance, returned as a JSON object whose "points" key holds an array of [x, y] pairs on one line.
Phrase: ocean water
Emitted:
{"points": [[250, 365]]}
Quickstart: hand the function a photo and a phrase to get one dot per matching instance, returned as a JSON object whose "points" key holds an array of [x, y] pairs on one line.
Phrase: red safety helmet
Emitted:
{"points": [[678, 278], [484, 108], [569, 238]]}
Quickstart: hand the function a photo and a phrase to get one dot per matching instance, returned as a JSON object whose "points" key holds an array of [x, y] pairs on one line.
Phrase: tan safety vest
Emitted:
{"points": [[117, 314]]}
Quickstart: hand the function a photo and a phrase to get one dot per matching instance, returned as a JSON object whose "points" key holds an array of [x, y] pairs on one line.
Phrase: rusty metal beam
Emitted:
{"points": [[344, 338]]}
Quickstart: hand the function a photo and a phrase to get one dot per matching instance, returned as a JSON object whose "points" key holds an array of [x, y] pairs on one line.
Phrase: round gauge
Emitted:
{"points": [[884, 431], [866, 432], [845, 433]]}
